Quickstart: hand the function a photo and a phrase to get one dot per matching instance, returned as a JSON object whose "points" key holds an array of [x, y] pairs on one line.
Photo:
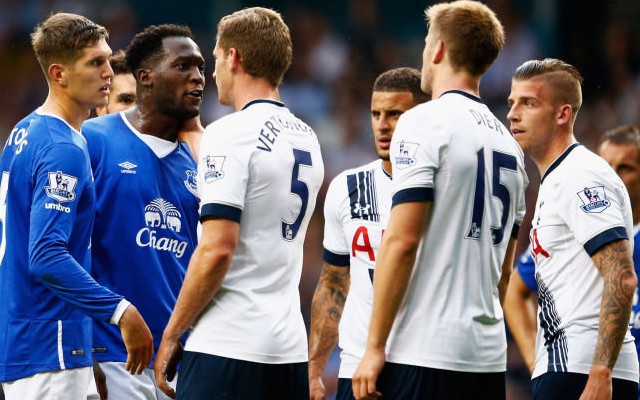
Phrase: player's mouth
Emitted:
{"points": [[106, 89], [195, 93], [517, 132], [384, 143]]}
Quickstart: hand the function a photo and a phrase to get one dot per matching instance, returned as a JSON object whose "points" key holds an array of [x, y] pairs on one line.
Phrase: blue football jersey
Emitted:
{"points": [[47, 209], [145, 227], [635, 312]]}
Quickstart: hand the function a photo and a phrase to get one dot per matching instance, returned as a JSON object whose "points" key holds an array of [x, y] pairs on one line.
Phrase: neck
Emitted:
{"points": [[150, 121], [386, 165], [249, 88], [448, 80], [558, 145], [71, 112]]}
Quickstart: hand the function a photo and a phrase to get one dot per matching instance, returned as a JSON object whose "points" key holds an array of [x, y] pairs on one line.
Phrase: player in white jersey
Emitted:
{"points": [[47, 200], [356, 211], [259, 174], [458, 199], [580, 241]]}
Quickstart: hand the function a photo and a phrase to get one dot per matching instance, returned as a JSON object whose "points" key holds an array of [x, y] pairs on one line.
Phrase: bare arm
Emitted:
{"points": [[615, 262], [208, 267], [507, 267], [326, 310], [397, 255], [520, 312]]}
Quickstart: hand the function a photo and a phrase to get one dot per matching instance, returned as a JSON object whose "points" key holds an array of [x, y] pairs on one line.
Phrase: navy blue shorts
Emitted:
{"points": [[409, 382], [204, 376], [569, 385]]}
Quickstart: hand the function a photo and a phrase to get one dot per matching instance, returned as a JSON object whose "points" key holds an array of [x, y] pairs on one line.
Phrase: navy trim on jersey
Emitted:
{"points": [[363, 200], [256, 101], [557, 162], [515, 230], [385, 171], [465, 94], [555, 339], [412, 195], [221, 211], [594, 244], [339, 260]]}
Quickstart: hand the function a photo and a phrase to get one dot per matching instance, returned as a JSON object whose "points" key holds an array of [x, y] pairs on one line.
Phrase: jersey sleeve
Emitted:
{"points": [[336, 246], [527, 269], [595, 203], [414, 161], [223, 172], [60, 174]]}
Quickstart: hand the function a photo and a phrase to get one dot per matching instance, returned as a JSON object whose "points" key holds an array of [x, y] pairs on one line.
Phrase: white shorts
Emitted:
{"points": [[124, 386], [71, 384]]}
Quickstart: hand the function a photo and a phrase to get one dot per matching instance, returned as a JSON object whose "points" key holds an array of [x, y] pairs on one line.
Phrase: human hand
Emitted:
{"points": [[101, 380], [164, 366], [366, 375], [137, 339], [599, 384], [317, 390]]}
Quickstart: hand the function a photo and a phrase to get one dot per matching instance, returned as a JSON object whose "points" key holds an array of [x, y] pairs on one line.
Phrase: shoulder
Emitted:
{"points": [[100, 126]]}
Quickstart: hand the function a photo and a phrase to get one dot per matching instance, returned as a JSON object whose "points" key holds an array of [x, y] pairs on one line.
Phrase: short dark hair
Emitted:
{"points": [[146, 46], [622, 134], [401, 80], [62, 37], [119, 63]]}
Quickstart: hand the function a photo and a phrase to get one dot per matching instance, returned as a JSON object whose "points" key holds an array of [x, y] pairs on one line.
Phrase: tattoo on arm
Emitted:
{"points": [[326, 310], [615, 263]]}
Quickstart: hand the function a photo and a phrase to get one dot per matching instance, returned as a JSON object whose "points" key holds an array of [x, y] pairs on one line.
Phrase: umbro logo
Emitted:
{"points": [[128, 167]]}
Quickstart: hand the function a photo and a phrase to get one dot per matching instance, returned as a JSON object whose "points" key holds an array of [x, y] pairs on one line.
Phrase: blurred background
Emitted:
{"points": [[339, 49]]}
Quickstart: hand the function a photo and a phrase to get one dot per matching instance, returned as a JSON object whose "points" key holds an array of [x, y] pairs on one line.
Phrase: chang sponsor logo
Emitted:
{"points": [[161, 216]]}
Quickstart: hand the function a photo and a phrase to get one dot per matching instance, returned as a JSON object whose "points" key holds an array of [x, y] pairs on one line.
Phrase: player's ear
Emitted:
{"points": [[57, 73], [145, 77], [565, 112]]}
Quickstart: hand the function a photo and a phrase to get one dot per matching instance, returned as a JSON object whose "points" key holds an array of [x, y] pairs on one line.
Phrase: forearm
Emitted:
{"points": [[326, 311], [393, 271], [616, 266], [520, 315], [507, 268], [204, 277]]}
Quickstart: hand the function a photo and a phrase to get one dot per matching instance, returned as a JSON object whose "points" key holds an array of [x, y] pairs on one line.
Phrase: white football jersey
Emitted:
{"points": [[582, 205], [261, 167], [456, 154], [356, 212]]}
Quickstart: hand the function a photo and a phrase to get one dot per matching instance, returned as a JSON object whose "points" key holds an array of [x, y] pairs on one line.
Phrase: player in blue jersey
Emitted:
{"points": [[356, 212], [259, 174], [47, 207], [620, 147], [123, 86], [580, 240], [146, 197]]}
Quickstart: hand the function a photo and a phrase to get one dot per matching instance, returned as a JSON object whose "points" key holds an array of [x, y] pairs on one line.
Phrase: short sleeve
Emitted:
{"points": [[336, 246], [223, 172], [595, 208], [415, 161]]}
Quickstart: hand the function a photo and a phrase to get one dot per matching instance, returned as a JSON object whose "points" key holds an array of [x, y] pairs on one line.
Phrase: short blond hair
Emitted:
{"points": [[472, 33], [262, 40]]}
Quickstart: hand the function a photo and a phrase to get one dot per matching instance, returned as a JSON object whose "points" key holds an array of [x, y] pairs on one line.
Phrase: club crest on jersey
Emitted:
{"points": [[406, 154], [190, 182], [214, 168], [160, 216], [61, 187], [593, 199]]}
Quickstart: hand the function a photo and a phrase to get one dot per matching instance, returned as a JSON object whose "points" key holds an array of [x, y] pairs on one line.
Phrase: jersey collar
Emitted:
{"points": [[256, 101], [558, 160], [465, 94]]}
